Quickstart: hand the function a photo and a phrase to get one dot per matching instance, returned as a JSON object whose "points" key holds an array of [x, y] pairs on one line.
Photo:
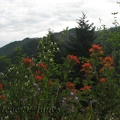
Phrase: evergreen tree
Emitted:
{"points": [[84, 36]]}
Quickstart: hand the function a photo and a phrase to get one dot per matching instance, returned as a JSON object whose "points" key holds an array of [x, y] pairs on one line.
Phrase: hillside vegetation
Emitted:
{"points": [[71, 75]]}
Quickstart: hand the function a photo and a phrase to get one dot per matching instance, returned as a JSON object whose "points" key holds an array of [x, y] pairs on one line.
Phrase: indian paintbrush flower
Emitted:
{"points": [[73, 58], [0, 86]]}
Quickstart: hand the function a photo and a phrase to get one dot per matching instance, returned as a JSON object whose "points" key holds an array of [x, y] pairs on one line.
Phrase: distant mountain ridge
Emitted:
{"points": [[9, 48], [28, 44]]}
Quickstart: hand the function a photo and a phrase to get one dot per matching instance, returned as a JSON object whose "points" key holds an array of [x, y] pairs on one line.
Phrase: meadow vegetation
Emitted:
{"points": [[78, 87]]}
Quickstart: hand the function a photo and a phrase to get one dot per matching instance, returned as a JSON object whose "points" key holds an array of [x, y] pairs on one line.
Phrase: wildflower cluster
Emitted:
{"points": [[87, 67], [85, 88], [71, 58], [39, 76], [96, 50], [2, 97], [70, 85], [27, 61], [40, 72], [108, 61], [47, 84], [0, 86], [102, 80], [42, 65]]}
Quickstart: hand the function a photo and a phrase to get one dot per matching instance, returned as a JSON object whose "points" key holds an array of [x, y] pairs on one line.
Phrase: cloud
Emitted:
{"points": [[33, 18]]}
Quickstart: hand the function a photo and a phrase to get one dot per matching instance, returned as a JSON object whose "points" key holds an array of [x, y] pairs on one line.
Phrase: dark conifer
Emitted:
{"points": [[84, 36]]}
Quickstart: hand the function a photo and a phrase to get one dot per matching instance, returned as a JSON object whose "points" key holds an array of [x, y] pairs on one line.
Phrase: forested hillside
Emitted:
{"points": [[29, 45]]}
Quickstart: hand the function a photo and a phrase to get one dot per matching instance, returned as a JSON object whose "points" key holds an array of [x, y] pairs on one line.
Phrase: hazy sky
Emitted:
{"points": [[33, 18]]}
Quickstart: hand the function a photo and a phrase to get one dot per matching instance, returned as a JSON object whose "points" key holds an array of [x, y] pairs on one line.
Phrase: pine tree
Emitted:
{"points": [[84, 36]]}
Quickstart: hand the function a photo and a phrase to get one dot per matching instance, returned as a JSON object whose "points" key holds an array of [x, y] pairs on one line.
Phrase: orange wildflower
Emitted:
{"points": [[102, 80], [43, 65], [108, 61], [112, 67], [75, 91], [96, 49], [73, 58], [40, 77], [0, 86], [85, 88], [87, 67], [70, 85], [2, 97], [102, 69], [28, 61], [37, 72]]}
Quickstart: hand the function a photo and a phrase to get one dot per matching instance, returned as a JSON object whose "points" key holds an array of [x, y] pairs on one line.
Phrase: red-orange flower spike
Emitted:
{"points": [[112, 67], [102, 69], [39, 77], [28, 61], [37, 72], [0, 86], [86, 88], [86, 66], [2, 97], [70, 85], [96, 48], [73, 58], [43, 65], [108, 61], [75, 91], [102, 80]]}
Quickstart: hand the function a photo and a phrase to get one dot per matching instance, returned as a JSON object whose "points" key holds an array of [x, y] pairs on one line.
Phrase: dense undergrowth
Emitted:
{"points": [[39, 88]]}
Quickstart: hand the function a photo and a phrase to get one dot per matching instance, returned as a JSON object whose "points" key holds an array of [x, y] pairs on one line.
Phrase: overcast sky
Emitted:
{"points": [[33, 18]]}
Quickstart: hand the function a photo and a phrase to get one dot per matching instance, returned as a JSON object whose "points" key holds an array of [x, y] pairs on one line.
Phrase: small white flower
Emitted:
{"points": [[58, 49], [51, 43], [71, 93], [76, 98], [17, 72], [51, 59], [26, 76]]}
